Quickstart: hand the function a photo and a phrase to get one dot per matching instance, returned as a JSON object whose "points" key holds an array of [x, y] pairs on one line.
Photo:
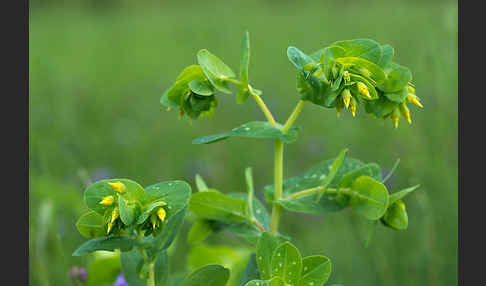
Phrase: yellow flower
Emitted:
{"points": [[405, 112], [412, 98], [363, 89], [353, 107], [346, 94], [395, 117], [114, 215], [161, 214], [110, 226], [107, 201], [118, 186]]}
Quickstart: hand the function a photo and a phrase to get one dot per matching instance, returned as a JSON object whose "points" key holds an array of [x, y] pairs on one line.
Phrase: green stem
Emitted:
{"points": [[293, 116], [151, 278], [264, 108], [321, 189], [278, 176]]}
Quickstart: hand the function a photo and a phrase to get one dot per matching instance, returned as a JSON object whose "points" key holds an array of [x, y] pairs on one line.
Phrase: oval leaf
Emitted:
{"points": [[396, 216], [264, 251], [214, 275], [91, 225], [218, 206], [369, 197], [215, 69], [397, 77], [254, 129], [110, 243], [287, 263], [130, 260], [316, 270]]}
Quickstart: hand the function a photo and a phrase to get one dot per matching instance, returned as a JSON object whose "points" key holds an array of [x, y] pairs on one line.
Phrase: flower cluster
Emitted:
{"points": [[351, 73]]}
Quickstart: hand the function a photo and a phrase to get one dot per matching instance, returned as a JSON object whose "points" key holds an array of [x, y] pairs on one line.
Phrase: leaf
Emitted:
{"points": [[393, 169], [171, 228], [175, 93], [244, 91], [104, 268], [275, 281], [260, 212], [250, 272], [214, 275], [369, 197], [201, 87], [397, 77], [287, 263], [336, 165], [110, 243], [99, 190], [130, 260], [330, 55], [396, 216], [377, 74], [380, 107], [398, 96], [363, 48], [315, 270], [91, 225], [372, 170], [199, 231], [175, 195], [264, 251], [387, 54], [215, 69], [253, 129], [129, 211], [310, 179], [298, 58], [218, 206], [201, 184], [402, 193]]}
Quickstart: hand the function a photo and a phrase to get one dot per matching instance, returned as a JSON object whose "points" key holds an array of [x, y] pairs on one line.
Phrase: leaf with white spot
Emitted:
{"points": [[264, 251], [275, 281], [316, 270], [287, 263]]}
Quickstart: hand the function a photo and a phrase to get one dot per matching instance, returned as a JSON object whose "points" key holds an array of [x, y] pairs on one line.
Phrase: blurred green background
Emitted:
{"points": [[98, 69]]}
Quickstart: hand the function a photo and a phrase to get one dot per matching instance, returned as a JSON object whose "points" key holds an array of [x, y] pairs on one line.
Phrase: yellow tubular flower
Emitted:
{"points": [[395, 117], [411, 89], [363, 89], [405, 112], [412, 98], [110, 226], [118, 186], [114, 215], [107, 201], [346, 94], [353, 107], [161, 214]]}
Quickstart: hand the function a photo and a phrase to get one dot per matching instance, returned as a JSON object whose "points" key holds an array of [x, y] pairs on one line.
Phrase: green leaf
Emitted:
{"points": [[396, 216], [215, 69], [173, 195], [201, 184], [397, 77], [253, 129], [372, 170], [402, 193], [264, 251], [329, 56], [380, 107], [91, 225], [244, 91], [260, 212], [315, 270], [398, 96], [336, 165], [131, 260], [369, 197], [310, 179], [275, 281], [99, 190], [214, 275], [199, 231], [376, 73], [171, 228], [298, 58], [104, 268], [287, 263], [201, 87], [250, 272], [218, 206], [110, 243], [387, 54], [363, 48], [393, 169], [176, 92], [129, 211]]}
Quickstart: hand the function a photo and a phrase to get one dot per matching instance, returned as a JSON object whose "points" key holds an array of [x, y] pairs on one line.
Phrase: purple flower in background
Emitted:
{"points": [[78, 274], [120, 281]]}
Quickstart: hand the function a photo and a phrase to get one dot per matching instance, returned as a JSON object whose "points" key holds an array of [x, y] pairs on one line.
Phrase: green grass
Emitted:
{"points": [[96, 77]]}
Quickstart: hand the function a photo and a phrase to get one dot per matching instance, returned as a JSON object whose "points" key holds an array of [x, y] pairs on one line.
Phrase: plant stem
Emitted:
{"points": [[151, 279], [320, 189], [264, 108], [293, 116], [278, 177]]}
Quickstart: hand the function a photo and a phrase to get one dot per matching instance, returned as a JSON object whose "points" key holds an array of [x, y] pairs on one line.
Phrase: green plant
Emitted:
{"points": [[143, 222]]}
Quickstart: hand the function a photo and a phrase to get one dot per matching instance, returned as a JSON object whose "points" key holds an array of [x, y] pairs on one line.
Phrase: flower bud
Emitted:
{"points": [[412, 98], [346, 95], [107, 201], [110, 226], [354, 106], [363, 89], [161, 214], [405, 112], [118, 186], [395, 117], [114, 215]]}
